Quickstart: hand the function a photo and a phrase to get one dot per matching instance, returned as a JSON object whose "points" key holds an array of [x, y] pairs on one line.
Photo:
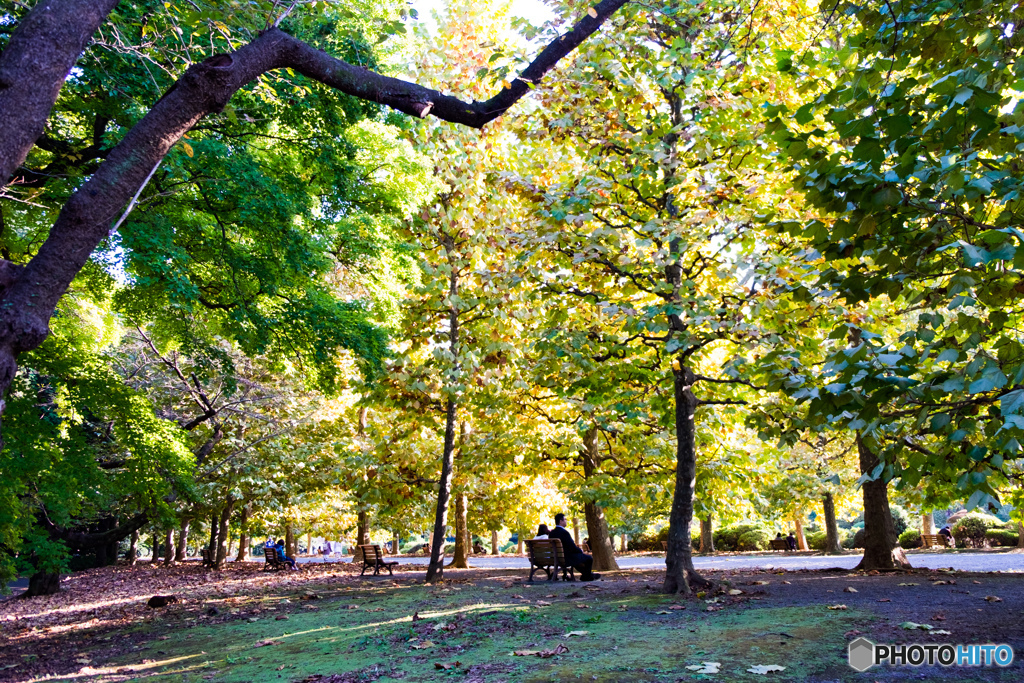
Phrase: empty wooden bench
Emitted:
{"points": [[935, 541], [546, 555], [779, 544], [373, 559]]}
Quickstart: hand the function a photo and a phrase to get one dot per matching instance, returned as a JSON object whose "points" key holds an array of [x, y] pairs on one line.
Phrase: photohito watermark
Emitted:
{"points": [[864, 654]]}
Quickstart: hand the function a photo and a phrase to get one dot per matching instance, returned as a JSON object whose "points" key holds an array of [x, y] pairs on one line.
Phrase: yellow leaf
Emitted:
{"points": [[188, 149], [592, 12]]}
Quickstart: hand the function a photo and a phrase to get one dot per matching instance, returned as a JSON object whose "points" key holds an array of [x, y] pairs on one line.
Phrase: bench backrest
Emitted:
{"points": [[546, 551], [371, 553], [934, 539], [780, 543]]}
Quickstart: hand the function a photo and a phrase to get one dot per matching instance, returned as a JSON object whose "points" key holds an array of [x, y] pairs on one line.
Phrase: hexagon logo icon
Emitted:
{"points": [[861, 654]]}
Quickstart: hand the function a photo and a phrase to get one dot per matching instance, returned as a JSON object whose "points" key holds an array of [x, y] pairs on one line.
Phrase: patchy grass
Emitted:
{"points": [[345, 629]]}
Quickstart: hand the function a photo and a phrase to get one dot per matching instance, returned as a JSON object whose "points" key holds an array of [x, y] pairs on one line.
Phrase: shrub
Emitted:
{"points": [[911, 538], [901, 519], [816, 540], [645, 543], [755, 539], [728, 537], [970, 530], [1004, 537]]}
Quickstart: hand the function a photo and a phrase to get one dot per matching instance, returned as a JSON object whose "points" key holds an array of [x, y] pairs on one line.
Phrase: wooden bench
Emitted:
{"points": [[209, 559], [935, 541], [272, 562], [373, 559], [546, 555], [779, 544]]}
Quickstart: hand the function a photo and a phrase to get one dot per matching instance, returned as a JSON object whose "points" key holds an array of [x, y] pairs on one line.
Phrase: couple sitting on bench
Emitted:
{"points": [[574, 557]]}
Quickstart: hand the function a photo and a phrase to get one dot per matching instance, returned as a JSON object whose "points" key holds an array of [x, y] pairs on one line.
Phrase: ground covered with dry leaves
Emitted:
{"points": [[328, 625]]}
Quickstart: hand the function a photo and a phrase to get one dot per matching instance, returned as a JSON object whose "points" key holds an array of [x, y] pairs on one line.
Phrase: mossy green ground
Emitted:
{"points": [[480, 624]]}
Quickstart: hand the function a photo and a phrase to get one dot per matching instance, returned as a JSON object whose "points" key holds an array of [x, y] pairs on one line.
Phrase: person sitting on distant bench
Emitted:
{"points": [[944, 531], [542, 533], [791, 541], [478, 548], [284, 558], [573, 555]]}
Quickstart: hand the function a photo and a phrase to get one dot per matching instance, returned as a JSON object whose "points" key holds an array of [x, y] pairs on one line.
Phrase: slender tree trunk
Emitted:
{"points": [[522, 534], [156, 547], [832, 544], [222, 534], [880, 540], [397, 545], [214, 526], [597, 526], [707, 535], [576, 530], [623, 543], [435, 570], [494, 542], [801, 540], [133, 548], [927, 523], [1020, 535], [243, 542], [680, 574], [181, 549], [168, 547], [460, 556]]}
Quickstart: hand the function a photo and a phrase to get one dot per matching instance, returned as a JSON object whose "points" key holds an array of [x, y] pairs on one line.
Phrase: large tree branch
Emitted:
{"points": [[205, 88], [33, 68]]}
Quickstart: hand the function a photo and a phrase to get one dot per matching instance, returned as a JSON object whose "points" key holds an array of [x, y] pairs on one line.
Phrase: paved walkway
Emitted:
{"points": [[963, 561]]}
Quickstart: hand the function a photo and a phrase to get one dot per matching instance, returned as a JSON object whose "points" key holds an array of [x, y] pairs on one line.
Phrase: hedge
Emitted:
{"points": [[970, 530], [911, 538]]}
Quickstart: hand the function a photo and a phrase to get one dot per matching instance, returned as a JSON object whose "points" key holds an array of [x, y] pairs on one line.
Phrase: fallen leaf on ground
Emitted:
{"points": [[764, 583], [264, 643], [837, 606], [907, 584], [422, 646], [663, 611], [910, 626], [575, 633], [976, 582], [677, 606], [943, 583], [853, 633], [543, 654], [735, 591], [447, 666], [788, 582], [520, 597], [705, 668], [993, 598], [941, 632], [884, 600], [764, 669], [352, 607], [582, 606], [281, 617], [543, 603], [849, 589]]}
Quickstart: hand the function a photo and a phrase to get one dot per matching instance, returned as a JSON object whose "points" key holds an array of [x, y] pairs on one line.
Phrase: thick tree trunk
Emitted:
{"points": [[879, 532], [927, 523], [494, 542], [435, 570], [363, 528], [597, 526], [156, 547], [289, 540], [1020, 535], [707, 535], [243, 541], [181, 550], [801, 539], [42, 583], [222, 534], [169, 547], [133, 548], [832, 544], [460, 556], [680, 574]]}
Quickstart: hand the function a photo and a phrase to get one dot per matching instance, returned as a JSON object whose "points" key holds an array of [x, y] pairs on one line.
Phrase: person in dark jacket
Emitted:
{"points": [[791, 541], [573, 555], [284, 558]]}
